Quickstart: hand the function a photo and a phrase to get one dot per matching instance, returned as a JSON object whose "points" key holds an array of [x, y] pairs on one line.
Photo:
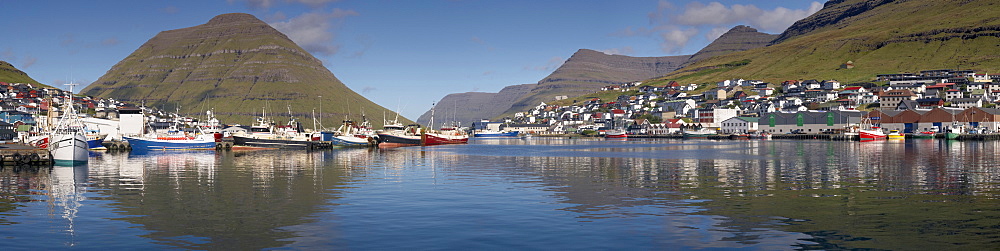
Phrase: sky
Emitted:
{"points": [[404, 55]]}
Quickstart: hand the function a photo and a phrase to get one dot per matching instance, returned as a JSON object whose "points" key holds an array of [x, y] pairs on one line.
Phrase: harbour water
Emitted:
{"points": [[513, 194]]}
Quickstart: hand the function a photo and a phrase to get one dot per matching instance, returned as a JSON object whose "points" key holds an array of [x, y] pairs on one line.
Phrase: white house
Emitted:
{"points": [[739, 125]]}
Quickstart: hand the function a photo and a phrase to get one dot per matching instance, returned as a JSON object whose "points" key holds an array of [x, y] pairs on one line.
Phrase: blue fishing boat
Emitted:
{"points": [[201, 142], [494, 134], [94, 140]]}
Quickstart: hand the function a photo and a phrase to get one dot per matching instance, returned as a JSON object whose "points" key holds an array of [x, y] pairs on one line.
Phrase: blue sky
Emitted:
{"points": [[403, 55]]}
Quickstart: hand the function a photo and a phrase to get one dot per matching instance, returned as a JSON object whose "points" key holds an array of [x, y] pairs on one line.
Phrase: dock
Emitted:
{"points": [[20, 157]]}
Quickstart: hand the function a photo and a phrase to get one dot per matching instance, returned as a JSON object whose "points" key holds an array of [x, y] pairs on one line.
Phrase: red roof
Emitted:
{"points": [[852, 88], [953, 90], [618, 111]]}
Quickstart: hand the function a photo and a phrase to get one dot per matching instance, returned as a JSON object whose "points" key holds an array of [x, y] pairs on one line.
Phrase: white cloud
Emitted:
{"points": [[716, 32], [627, 50], [715, 13], [675, 27], [674, 38], [314, 31]]}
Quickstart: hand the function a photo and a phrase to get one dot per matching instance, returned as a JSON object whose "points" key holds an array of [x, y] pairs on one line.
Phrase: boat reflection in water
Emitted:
{"points": [[555, 193]]}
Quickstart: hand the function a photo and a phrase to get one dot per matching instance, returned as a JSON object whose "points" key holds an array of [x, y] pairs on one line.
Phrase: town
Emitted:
{"points": [[909, 102]]}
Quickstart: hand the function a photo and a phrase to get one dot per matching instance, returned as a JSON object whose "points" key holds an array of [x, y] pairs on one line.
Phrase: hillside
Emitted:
{"points": [[469, 107], [10, 74], [588, 70], [739, 38], [882, 36], [236, 65]]}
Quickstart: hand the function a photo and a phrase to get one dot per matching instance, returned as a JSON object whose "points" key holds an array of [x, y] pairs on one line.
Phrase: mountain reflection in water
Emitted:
{"points": [[511, 193]]}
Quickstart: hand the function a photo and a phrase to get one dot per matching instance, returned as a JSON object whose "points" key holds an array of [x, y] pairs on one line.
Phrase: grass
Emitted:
{"points": [[876, 44], [10, 74]]}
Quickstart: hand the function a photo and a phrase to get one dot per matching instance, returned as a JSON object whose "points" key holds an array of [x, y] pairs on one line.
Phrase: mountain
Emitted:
{"points": [[589, 70], [739, 38], [10, 74], [469, 107], [237, 65], [878, 36]]}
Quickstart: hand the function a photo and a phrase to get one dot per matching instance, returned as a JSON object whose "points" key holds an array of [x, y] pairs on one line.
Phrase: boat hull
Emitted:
{"points": [[871, 135], [495, 135], [69, 148], [157, 144], [391, 140], [276, 143], [922, 135], [615, 136], [441, 139], [951, 135], [352, 141]]}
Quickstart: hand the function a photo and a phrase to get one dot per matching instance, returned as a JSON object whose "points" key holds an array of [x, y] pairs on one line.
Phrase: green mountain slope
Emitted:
{"points": [[879, 36], [237, 65], [10, 74]]}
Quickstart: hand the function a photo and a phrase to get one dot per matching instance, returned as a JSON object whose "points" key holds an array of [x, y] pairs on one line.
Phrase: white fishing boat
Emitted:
{"points": [[68, 140]]}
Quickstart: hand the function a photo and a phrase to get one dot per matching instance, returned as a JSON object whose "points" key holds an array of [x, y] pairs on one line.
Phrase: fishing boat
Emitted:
{"points": [[954, 131], [494, 134], [739, 136], [922, 135], [395, 134], [151, 142], [698, 134], [615, 134], [353, 134], [866, 131], [895, 134], [289, 136], [94, 139], [446, 135], [761, 135], [68, 140]]}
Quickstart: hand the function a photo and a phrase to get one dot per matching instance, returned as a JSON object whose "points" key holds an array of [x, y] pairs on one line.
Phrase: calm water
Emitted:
{"points": [[552, 194]]}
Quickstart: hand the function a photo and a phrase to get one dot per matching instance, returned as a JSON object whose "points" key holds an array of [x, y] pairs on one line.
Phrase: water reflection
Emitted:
{"points": [[520, 194], [224, 200]]}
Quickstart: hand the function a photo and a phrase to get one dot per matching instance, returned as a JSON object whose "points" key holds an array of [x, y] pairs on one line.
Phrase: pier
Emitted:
{"points": [[17, 157]]}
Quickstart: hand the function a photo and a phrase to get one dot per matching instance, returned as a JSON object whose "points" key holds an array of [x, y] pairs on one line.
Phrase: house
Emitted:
{"points": [[811, 84], [953, 94], [739, 125], [830, 85], [929, 103], [893, 97], [711, 117], [907, 105], [966, 103], [526, 128], [981, 78], [639, 126]]}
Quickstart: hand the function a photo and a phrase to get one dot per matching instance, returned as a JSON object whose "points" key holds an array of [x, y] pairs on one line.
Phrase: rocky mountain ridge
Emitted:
{"points": [[589, 70]]}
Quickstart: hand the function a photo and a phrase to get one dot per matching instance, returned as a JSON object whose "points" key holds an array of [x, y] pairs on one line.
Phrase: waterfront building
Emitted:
{"points": [[808, 121], [740, 125]]}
